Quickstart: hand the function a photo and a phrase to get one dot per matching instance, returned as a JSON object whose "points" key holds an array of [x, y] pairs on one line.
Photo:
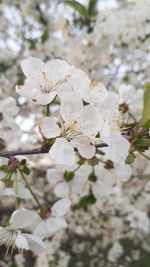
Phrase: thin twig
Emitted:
{"points": [[41, 150]]}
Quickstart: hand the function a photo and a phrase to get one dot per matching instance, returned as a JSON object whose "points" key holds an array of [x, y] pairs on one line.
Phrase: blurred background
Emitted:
{"points": [[110, 41]]}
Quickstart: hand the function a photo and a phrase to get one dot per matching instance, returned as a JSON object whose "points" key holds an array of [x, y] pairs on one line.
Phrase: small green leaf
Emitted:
{"points": [[68, 176], [146, 109], [109, 164], [86, 201], [92, 8], [92, 177], [81, 162], [130, 158], [13, 264], [32, 43], [78, 7], [26, 170], [23, 161], [44, 36], [4, 67]]}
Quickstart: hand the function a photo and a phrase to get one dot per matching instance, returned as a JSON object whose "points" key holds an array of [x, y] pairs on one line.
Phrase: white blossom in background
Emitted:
{"points": [[133, 98], [46, 228]]}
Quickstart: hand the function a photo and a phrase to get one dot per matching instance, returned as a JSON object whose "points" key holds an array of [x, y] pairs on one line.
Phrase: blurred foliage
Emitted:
{"points": [[146, 110]]}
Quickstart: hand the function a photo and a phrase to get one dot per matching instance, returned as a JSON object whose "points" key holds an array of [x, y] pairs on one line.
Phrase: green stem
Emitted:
{"points": [[77, 168], [47, 110], [30, 189], [16, 190], [144, 155], [131, 116]]}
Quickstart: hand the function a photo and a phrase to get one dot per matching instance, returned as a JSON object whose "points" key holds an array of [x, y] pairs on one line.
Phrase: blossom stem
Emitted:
{"points": [[145, 156], [47, 110], [30, 189], [41, 150]]}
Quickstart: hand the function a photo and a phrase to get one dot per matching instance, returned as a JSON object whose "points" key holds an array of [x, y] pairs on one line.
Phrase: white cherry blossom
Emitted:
{"points": [[12, 236], [43, 79], [77, 128]]}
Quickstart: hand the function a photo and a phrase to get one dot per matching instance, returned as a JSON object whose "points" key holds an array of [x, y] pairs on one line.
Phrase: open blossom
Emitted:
{"points": [[133, 99], [12, 236], [112, 130], [43, 79], [93, 92], [8, 108], [74, 188], [46, 228], [77, 128], [107, 178]]}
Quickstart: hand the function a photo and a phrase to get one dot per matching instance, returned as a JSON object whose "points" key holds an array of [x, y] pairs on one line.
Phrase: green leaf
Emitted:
{"points": [[44, 36], [4, 67], [146, 109], [78, 7], [13, 264], [68, 176], [92, 8], [32, 43], [86, 201], [130, 158], [26, 170], [23, 161], [92, 177]]}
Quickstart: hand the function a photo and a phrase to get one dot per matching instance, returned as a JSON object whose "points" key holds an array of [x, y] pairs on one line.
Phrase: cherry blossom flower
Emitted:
{"points": [[12, 237], [78, 126], [46, 228], [43, 79]]}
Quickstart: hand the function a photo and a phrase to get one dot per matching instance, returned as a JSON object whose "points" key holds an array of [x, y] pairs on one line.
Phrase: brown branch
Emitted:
{"points": [[41, 150]]}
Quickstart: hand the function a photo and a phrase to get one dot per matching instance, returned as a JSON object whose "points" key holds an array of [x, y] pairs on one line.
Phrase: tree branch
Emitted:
{"points": [[40, 150]]}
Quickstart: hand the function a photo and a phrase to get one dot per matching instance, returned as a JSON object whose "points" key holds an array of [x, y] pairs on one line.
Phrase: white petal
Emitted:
{"points": [[54, 176], [35, 243], [21, 242], [49, 127], [2, 186], [124, 172], [62, 152], [62, 190], [71, 106], [26, 90], [43, 98], [87, 151], [90, 120], [8, 192], [50, 226], [101, 190], [32, 67], [95, 93], [23, 218], [56, 69], [61, 207]]}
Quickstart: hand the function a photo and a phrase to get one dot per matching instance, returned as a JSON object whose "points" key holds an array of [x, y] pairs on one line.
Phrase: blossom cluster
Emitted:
{"points": [[87, 139], [74, 173]]}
